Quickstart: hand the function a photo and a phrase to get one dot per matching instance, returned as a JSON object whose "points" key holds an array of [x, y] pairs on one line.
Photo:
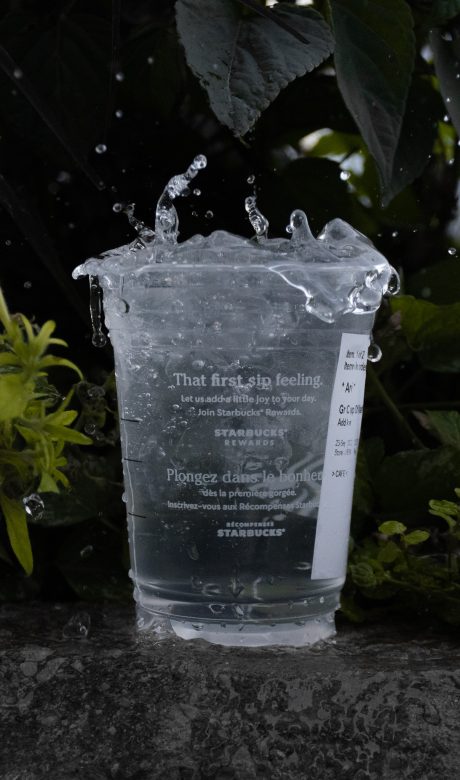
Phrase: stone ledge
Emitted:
{"points": [[373, 703]]}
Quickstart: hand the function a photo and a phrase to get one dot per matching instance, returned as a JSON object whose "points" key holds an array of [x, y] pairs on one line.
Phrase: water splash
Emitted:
{"points": [[256, 218], [145, 233], [166, 219], [299, 229], [99, 338]]}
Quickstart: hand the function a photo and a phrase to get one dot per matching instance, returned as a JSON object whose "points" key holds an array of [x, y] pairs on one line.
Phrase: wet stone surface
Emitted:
{"points": [[86, 697]]}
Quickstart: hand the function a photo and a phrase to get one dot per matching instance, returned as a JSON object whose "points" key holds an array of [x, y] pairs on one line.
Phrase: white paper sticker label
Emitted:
{"points": [[333, 525]]}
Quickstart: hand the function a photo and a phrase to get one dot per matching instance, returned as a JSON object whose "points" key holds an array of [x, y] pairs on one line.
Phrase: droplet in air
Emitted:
{"points": [[374, 353], [209, 214], [345, 175], [120, 76], [63, 177], [251, 179], [256, 218], [394, 283], [101, 148], [34, 506], [452, 251], [394, 234], [17, 73], [27, 285], [196, 191], [78, 627], [118, 113], [448, 100], [86, 551], [8, 242], [446, 35], [117, 207], [150, 60]]}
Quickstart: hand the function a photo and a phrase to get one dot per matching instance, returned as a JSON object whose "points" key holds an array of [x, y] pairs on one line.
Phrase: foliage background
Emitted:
{"points": [[345, 108]]}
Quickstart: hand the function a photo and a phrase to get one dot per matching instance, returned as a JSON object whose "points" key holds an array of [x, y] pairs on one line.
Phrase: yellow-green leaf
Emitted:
{"points": [[15, 394], [18, 533], [391, 527]]}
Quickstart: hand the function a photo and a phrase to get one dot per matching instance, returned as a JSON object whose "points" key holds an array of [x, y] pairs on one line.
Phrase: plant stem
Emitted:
{"points": [[403, 425]]}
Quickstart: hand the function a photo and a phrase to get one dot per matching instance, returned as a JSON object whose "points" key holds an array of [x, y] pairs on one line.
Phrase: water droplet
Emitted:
{"points": [[446, 35], [78, 627], [197, 192], [446, 118], [251, 179], [448, 100], [209, 214], [302, 565], [90, 428], [96, 391], [395, 234], [345, 175], [101, 148], [117, 207], [8, 242], [27, 285], [217, 609], [452, 251], [34, 506], [87, 551], [118, 113], [99, 338], [192, 551], [17, 73], [394, 283], [120, 76], [64, 177], [374, 353], [150, 60], [256, 218]]}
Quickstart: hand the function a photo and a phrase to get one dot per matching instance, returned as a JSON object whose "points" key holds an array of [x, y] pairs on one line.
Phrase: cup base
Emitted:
{"points": [[242, 634], [256, 635]]}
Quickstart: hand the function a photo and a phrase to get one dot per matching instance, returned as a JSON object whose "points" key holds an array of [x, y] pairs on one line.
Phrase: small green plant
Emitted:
{"points": [[394, 570], [34, 425]]}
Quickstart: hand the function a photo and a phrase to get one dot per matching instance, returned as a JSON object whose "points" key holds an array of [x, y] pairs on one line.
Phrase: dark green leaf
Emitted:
{"points": [[407, 481], [91, 562], [440, 283], [244, 61], [18, 533], [446, 53], [374, 58], [433, 332], [437, 12], [418, 133], [95, 491], [444, 425]]}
